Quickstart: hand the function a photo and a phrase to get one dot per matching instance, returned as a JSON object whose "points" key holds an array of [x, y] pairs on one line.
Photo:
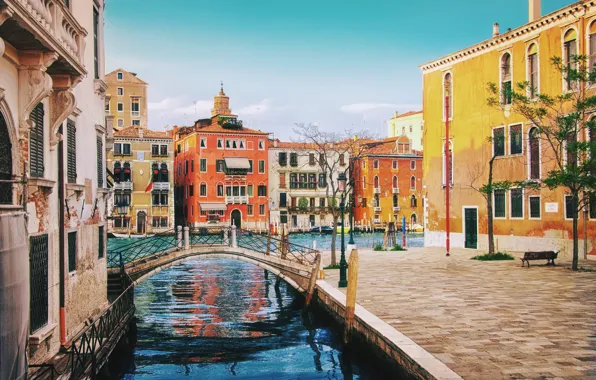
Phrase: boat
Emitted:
{"points": [[131, 236], [417, 228], [321, 230]]}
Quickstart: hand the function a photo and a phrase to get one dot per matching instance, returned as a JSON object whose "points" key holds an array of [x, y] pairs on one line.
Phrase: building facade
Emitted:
{"points": [[300, 190], [409, 124], [53, 134], [141, 165], [221, 171], [388, 184], [126, 99], [524, 219]]}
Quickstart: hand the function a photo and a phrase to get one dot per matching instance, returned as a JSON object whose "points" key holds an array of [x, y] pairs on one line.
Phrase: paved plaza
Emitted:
{"points": [[485, 320]]}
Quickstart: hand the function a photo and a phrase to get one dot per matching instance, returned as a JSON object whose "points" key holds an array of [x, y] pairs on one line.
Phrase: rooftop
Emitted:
{"points": [[139, 132]]}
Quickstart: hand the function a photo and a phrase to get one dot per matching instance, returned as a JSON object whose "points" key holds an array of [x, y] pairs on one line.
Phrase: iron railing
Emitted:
{"points": [[46, 371], [142, 247], [38, 282], [276, 246], [209, 236]]}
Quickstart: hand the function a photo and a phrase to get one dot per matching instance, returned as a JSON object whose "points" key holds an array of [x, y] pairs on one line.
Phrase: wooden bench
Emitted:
{"points": [[549, 256]]}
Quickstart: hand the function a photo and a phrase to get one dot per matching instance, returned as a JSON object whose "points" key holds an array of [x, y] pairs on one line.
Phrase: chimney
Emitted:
{"points": [[534, 11], [495, 29], [396, 114], [275, 143]]}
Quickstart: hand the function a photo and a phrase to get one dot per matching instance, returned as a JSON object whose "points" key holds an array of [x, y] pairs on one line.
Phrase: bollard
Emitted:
{"points": [[314, 244], [186, 238], [234, 241], [313, 279], [351, 295], [179, 228]]}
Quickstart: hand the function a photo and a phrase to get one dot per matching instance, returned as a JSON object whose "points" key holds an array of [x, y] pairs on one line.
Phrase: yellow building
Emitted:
{"points": [[140, 166], [126, 99], [524, 219], [409, 124]]}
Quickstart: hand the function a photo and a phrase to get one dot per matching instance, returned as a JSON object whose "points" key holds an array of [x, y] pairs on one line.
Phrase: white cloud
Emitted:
{"points": [[365, 107], [255, 109], [177, 107]]}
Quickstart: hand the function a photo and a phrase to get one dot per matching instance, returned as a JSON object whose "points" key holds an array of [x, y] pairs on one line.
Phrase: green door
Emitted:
{"points": [[471, 227]]}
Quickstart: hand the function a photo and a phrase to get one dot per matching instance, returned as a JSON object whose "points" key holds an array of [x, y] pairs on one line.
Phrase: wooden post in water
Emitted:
{"points": [[284, 236], [351, 295], [313, 279], [268, 252]]}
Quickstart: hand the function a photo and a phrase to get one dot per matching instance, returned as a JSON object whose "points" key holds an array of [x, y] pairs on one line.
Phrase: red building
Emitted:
{"points": [[221, 171]]}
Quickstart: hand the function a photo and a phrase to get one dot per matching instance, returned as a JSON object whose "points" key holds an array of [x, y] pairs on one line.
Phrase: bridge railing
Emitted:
{"points": [[142, 247], [275, 246]]}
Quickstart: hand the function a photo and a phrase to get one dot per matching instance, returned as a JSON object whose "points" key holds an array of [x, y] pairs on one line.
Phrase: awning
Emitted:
{"points": [[237, 163], [212, 206]]}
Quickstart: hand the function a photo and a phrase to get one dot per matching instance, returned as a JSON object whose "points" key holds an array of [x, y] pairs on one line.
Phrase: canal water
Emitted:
{"points": [[226, 319]]}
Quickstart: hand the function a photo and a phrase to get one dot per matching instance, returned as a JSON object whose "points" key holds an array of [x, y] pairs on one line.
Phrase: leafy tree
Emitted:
{"points": [[303, 204], [566, 127]]}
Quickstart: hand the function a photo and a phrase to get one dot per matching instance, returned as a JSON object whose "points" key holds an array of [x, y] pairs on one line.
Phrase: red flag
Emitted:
{"points": [[149, 185]]}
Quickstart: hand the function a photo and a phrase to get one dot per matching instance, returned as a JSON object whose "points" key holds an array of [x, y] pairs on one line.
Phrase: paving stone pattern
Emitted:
{"points": [[485, 320]]}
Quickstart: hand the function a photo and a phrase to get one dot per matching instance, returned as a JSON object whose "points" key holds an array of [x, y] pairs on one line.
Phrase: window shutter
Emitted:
{"points": [[99, 162], [71, 151], [36, 154]]}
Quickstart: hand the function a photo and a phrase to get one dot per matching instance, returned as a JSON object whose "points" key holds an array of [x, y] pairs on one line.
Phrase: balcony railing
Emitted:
{"points": [[135, 113], [395, 190], [123, 186], [377, 209], [237, 199], [162, 186], [396, 209], [377, 190]]}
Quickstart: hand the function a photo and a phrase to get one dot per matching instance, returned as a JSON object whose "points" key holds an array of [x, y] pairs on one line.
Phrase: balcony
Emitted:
{"points": [[49, 23], [396, 209], [377, 209], [123, 186], [238, 199], [395, 190], [161, 186], [135, 113], [377, 190]]}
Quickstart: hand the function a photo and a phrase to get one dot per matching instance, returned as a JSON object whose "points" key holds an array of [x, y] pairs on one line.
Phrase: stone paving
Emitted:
{"points": [[485, 320]]}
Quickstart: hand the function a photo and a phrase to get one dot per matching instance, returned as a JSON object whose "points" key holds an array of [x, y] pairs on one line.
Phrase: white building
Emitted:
{"points": [[408, 124], [298, 186], [53, 132]]}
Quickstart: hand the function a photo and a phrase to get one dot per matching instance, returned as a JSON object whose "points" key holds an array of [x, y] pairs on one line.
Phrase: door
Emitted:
{"points": [[471, 227], [141, 221], [236, 218]]}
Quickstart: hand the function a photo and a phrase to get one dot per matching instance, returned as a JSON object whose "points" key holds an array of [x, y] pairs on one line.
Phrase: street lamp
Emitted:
{"points": [[343, 264]]}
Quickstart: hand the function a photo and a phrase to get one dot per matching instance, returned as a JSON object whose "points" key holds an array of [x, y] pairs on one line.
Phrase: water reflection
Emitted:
{"points": [[216, 319]]}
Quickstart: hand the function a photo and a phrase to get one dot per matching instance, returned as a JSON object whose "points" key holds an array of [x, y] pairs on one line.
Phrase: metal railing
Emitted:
{"points": [[142, 247], [271, 245], [209, 236], [45, 371]]}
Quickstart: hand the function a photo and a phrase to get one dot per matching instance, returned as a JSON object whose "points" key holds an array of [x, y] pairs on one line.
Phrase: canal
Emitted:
{"points": [[218, 319]]}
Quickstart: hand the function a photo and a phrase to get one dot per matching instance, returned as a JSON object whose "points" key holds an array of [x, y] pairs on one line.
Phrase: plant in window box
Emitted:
{"points": [[303, 204]]}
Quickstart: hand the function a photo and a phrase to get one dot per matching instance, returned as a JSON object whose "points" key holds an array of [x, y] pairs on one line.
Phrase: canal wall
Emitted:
{"points": [[387, 341]]}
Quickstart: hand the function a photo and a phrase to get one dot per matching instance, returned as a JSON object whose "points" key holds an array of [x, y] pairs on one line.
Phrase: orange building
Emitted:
{"points": [[388, 183], [221, 171]]}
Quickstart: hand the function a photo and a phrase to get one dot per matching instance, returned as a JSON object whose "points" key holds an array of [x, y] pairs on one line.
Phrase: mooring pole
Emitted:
{"points": [[179, 237], [351, 295], [268, 252], [313, 279]]}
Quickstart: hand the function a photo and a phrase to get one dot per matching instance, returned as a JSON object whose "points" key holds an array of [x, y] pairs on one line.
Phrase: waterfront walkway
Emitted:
{"points": [[485, 320]]}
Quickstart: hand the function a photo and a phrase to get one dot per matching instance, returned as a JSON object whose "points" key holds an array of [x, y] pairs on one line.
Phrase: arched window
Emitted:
{"points": [[592, 148], [394, 182], [413, 219], [532, 71], [126, 175], [592, 46], [569, 57], [5, 163], [376, 182], [534, 150], [117, 172], [506, 79], [450, 162], [413, 201], [155, 172], [413, 183], [163, 175], [448, 92]]}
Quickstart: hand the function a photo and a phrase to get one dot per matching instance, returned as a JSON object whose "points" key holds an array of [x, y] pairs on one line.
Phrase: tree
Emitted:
{"points": [[564, 124], [302, 204], [333, 153]]}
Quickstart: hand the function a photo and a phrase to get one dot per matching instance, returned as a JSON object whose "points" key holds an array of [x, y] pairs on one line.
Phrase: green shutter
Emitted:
{"points": [[71, 151], [36, 148], [99, 162], [517, 203], [534, 207], [499, 196]]}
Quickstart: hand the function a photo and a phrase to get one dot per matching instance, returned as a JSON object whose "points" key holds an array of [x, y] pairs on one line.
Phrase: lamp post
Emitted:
{"points": [[351, 243], [343, 264]]}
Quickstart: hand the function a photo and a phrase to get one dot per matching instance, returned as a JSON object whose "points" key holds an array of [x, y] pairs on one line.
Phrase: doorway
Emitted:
{"points": [[236, 218], [471, 227], [141, 222]]}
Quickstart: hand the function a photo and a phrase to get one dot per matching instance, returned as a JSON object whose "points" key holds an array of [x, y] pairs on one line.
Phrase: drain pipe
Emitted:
{"points": [[61, 238]]}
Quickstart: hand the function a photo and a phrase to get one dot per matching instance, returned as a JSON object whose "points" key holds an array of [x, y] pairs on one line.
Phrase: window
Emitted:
{"points": [[249, 209], [532, 71], [569, 207], [120, 107], [261, 209], [534, 151], [448, 92], [282, 180], [101, 239], [262, 191], [154, 150], [99, 162], [261, 144], [413, 201], [394, 182], [283, 200], [220, 190], [249, 190], [72, 251], [312, 181], [96, 42], [592, 47], [395, 200], [36, 142], [71, 151], [571, 149], [120, 91], [376, 182], [534, 207], [293, 181], [126, 149], [163, 173], [413, 183], [375, 164], [185, 167], [593, 206], [203, 190], [311, 159], [394, 164], [413, 165], [203, 164], [192, 166], [363, 164], [499, 203], [364, 182], [363, 202], [450, 163], [498, 141], [342, 160], [120, 123], [261, 166], [282, 159], [322, 180], [191, 190], [136, 122], [107, 106], [517, 203], [322, 202], [569, 58], [219, 166], [135, 106], [219, 143], [203, 142], [312, 203], [38, 274], [506, 79], [179, 147], [294, 159], [322, 160], [515, 139], [120, 76], [159, 198]]}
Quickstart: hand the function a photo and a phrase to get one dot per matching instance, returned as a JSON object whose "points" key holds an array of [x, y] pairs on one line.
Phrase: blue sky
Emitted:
{"points": [[344, 64]]}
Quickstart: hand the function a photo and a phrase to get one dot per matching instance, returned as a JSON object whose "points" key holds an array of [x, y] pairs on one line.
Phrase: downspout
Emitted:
{"points": [[61, 239]]}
